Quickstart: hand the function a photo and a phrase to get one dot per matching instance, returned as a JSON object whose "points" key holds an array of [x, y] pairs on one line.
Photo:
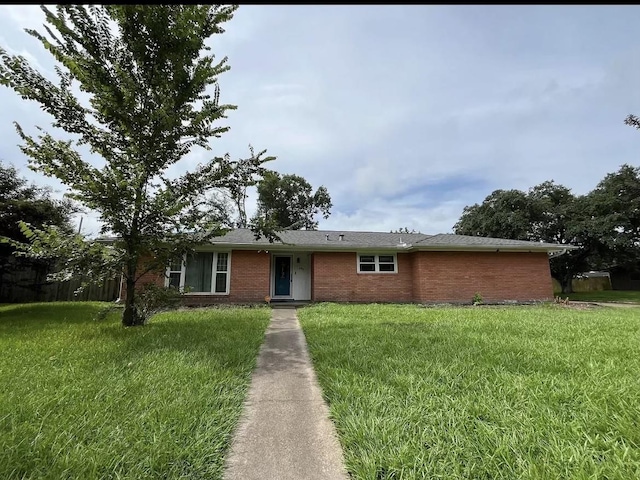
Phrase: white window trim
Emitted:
{"points": [[214, 267], [376, 259]]}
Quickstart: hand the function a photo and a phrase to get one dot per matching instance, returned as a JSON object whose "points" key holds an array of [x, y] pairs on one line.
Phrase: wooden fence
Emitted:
{"points": [[25, 285], [591, 284]]}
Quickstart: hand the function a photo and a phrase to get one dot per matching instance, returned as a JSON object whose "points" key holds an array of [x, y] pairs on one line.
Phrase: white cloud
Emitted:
{"points": [[24, 16], [380, 216], [380, 102]]}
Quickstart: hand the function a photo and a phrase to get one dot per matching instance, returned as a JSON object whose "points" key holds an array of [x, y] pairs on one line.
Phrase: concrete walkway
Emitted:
{"points": [[606, 304], [285, 432]]}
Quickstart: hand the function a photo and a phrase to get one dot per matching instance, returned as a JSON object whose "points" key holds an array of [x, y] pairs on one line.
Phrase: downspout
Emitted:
{"points": [[557, 254], [119, 299]]}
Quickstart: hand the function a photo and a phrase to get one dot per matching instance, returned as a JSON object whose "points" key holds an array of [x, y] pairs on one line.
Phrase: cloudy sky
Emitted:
{"points": [[408, 113]]}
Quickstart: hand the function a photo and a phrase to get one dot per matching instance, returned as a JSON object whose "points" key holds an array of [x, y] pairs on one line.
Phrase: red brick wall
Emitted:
{"points": [[421, 277], [249, 276], [249, 280], [156, 277], [335, 278], [150, 277], [497, 276]]}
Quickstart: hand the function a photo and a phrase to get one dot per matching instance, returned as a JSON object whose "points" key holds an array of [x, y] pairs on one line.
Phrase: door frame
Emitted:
{"points": [[273, 276]]}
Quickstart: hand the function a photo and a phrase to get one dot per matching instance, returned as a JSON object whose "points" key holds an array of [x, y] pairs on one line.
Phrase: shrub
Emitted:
{"points": [[477, 299], [152, 299]]}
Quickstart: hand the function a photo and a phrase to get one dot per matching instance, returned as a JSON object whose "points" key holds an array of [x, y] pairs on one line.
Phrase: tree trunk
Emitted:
{"points": [[566, 284], [130, 317]]}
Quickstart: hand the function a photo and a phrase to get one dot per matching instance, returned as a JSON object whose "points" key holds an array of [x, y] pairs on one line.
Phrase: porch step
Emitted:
{"points": [[289, 303], [277, 305]]}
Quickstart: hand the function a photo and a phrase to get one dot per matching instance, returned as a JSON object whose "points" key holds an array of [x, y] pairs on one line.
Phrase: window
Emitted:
{"points": [[222, 274], [201, 273], [174, 272], [367, 263], [384, 263]]}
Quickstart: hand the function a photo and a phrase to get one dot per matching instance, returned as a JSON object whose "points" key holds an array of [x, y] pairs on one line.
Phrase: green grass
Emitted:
{"points": [[85, 399], [544, 392], [626, 296]]}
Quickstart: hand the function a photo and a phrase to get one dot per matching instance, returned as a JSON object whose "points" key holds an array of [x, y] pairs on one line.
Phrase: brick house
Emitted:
{"points": [[345, 266]]}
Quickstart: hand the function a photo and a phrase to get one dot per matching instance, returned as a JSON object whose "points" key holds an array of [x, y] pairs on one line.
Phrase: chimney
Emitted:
{"points": [[341, 237]]}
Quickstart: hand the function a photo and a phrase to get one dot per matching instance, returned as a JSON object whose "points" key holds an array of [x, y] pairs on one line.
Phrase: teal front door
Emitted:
{"points": [[282, 272]]}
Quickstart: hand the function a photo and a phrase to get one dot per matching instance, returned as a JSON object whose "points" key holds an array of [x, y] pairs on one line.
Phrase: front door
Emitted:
{"points": [[282, 272]]}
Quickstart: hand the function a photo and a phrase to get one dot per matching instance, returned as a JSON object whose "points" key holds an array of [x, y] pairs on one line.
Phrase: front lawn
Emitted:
{"points": [[481, 392], [625, 296], [89, 399]]}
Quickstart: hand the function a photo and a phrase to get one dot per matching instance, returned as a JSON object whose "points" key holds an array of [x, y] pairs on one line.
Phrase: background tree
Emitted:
{"points": [[547, 213], [222, 209], [288, 202], [146, 72], [228, 206], [502, 214], [404, 230], [615, 205], [22, 201], [560, 217]]}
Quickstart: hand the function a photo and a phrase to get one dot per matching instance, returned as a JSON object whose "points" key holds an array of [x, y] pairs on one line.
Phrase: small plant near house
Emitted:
{"points": [[152, 299], [477, 299]]}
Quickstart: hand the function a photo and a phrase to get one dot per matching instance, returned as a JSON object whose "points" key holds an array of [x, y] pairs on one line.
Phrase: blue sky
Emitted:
{"points": [[408, 113]]}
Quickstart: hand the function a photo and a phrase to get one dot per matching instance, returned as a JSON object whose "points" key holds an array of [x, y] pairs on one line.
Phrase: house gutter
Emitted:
{"points": [[560, 252], [342, 246], [389, 248], [119, 299]]}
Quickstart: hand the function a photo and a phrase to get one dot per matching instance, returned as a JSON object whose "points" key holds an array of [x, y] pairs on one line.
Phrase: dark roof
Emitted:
{"points": [[319, 238], [331, 239], [450, 239], [350, 241]]}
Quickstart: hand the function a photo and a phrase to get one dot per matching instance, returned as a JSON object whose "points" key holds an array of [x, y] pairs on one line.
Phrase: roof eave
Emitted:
{"points": [[489, 248], [396, 248], [350, 247], [316, 247]]}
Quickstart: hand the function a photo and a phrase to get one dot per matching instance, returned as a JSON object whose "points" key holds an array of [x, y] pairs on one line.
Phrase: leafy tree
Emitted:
{"points": [[503, 214], [615, 203], [146, 72], [548, 213], [228, 206], [287, 202], [21, 201], [404, 230], [560, 217], [222, 209]]}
